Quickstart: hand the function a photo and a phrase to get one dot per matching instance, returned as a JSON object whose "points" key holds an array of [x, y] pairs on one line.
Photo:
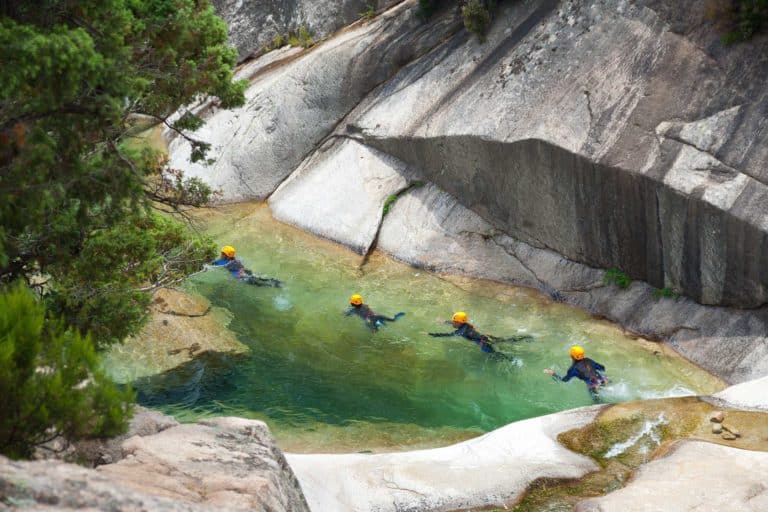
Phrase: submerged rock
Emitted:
{"points": [[181, 326]]}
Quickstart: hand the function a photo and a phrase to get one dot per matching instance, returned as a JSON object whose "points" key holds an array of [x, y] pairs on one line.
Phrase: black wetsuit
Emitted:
{"points": [[587, 370], [484, 341], [239, 272], [372, 320]]}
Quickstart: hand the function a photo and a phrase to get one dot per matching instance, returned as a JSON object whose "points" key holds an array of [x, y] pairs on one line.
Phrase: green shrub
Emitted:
{"points": [[617, 277], [50, 380], [425, 9], [105, 291], [738, 20], [369, 13], [305, 37], [668, 293], [477, 17], [277, 42], [76, 187]]}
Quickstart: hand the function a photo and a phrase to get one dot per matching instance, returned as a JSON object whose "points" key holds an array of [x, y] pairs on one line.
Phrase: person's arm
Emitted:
{"points": [[390, 319], [568, 376], [350, 311], [220, 262], [599, 367], [572, 372], [443, 334]]}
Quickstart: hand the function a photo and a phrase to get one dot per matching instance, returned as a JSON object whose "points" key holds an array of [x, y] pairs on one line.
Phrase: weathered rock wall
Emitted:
{"points": [[218, 464], [605, 216], [253, 24], [593, 129], [581, 136], [290, 109]]}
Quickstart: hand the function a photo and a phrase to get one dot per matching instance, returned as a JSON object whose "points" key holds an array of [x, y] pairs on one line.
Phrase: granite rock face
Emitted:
{"points": [[339, 193], [594, 130], [292, 107], [253, 24], [581, 136], [218, 464], [617, 134], [488, 471], [695, 476]]}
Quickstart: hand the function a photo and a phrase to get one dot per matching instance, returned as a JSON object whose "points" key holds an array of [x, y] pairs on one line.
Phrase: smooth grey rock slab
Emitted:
{"points": [[752, 394], [696, 476], [291, 107], [490, 470], [339, 193], [253, 24]]}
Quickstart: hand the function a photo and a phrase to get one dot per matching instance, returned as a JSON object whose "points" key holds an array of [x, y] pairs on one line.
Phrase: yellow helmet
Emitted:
{"points": [[460, 317], [229, 251], [577, 352], [356, 300]]}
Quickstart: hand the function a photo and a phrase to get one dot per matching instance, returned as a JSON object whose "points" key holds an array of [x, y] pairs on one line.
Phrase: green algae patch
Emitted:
{"points": [[627, 435]]}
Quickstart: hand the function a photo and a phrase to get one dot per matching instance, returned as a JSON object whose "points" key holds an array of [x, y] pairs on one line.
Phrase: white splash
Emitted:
{"points": [[282, 303], [649, 430], [622, 390]]}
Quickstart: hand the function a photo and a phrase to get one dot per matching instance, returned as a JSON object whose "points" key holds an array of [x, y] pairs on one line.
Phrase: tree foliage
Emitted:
{"points": [[50, 380], [477, 14], [738, 20], [80, 79]]}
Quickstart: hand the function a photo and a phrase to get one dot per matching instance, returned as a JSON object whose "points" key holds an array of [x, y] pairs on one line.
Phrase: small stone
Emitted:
{"points": [[728, 436], [730, 428], [717, 417], [717, 428]]}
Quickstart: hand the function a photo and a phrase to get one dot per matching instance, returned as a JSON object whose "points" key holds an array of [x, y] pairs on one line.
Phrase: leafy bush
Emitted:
{"points": [[425, 9], [477, 14], [50, 380], [301, 38], [105, 291], [617, 277], [76, 191], [369, 13], [668, 293], [477, 17], [277, 42], [738, 20]]}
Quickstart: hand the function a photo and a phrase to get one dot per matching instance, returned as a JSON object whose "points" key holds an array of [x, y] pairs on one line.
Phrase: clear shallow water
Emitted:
{"points": [[324, 382]]}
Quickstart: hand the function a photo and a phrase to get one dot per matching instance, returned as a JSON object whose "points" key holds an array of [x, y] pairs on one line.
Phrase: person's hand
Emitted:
{"points": [[549, 372]]}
